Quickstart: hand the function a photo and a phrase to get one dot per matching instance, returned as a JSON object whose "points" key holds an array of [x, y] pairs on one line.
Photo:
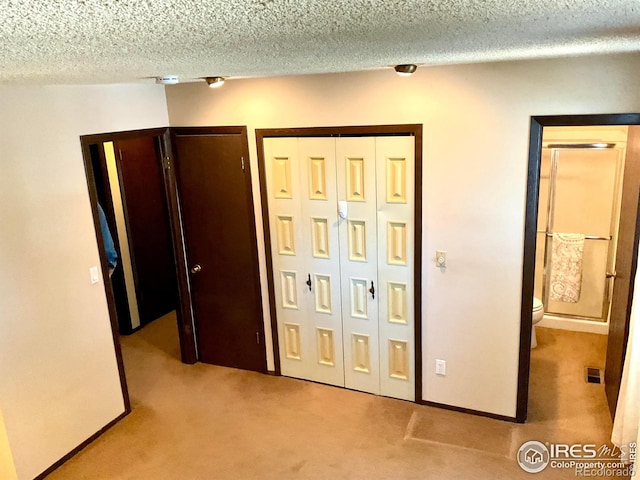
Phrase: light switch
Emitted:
{"points": [[95, 277], [441, 367], [441, 258]]}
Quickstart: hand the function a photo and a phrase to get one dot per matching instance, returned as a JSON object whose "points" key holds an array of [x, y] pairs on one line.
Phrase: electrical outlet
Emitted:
{"points": [[441, 367], [441, 258]]}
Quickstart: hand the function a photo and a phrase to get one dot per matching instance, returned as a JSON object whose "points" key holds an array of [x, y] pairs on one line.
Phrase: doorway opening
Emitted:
{"points": [[155, 189], [127, 190], [130, 189], [579, 257], [581, 174]]}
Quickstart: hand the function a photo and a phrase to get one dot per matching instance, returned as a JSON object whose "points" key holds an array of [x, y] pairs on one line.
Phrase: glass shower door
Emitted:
{"points": [[582, 192]]}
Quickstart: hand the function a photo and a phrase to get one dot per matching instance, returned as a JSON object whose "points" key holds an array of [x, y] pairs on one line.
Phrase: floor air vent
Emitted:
{"points": [[594, 375]]}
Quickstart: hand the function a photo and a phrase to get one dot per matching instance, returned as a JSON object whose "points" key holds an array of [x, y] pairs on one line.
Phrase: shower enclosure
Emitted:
{"points": [[579, 194]]}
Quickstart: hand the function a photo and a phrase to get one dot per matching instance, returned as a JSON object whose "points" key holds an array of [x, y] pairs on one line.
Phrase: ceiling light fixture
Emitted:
{"points": [[214, 82], [167, 80], [405, 70]]}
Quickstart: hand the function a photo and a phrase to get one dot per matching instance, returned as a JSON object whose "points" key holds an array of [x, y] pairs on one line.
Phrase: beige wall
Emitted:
{"points": [[7, 467], [476, 138], [59, 382]]}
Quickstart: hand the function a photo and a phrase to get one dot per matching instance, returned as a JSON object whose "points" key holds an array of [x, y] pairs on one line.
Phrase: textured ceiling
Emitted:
{"points": [[106, 41]]}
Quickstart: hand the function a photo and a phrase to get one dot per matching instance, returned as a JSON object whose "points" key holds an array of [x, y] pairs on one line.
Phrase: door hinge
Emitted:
{"points": [[166, 163], [258, 338], [242, 159]]}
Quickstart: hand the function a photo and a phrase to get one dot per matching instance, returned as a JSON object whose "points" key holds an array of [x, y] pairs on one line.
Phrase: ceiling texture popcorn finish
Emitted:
{"points": [[106, 41]]}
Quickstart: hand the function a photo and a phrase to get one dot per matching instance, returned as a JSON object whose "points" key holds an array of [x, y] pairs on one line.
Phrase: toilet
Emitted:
{"points": [[537, 314]]}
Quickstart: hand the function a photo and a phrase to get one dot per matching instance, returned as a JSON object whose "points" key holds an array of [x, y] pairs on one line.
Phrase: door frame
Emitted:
{"points": [[414, 130], [530, 227], [184, 314], [180, 247], [187, 340]]}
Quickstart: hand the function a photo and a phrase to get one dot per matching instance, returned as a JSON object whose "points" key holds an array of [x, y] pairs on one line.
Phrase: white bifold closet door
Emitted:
{"points": [[344, 286], [395, 159], [303, 222]]}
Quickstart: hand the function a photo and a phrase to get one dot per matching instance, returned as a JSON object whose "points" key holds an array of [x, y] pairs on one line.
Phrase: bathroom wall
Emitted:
{"points": [[476, 139], [587, 198]]}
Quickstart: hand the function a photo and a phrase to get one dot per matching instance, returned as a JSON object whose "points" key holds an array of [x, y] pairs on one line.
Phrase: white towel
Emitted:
{"points": [[566, 267]]}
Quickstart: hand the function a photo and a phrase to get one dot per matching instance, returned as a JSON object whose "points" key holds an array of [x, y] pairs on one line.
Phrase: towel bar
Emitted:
{"points": [[586, 237]]}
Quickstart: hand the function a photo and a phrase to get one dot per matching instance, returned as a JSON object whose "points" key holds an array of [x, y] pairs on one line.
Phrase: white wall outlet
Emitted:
{"points": [[441, 367], [441, 258], [93, 273]]}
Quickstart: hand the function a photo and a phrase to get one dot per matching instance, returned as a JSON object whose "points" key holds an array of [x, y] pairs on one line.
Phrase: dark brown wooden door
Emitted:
{"points": [[625, 270], [214, 186], [147, 218]]}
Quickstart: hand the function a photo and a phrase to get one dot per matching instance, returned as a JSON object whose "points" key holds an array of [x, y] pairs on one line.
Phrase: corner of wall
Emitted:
{"points": [[7, 467]]}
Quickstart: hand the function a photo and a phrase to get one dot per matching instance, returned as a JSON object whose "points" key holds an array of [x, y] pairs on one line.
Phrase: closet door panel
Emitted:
{"points": [[395, 191], [358, 262], [289, 252], [344, 281], [322, 256]]}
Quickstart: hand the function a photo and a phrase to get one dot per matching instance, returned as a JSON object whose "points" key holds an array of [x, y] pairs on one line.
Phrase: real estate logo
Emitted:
{"points": [[586, 459], [533, 456]]}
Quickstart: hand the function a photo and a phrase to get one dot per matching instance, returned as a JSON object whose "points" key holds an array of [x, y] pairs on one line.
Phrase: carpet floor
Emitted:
{"points": [[202, 422]]}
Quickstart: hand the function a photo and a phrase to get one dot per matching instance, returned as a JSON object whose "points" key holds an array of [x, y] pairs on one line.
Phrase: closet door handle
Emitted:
{"points": [[373, 291], [308, 282]]}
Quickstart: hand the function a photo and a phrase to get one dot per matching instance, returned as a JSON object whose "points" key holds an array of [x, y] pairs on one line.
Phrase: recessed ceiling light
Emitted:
{"points": [[167, 80], [405, 70], [215, 82]]}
